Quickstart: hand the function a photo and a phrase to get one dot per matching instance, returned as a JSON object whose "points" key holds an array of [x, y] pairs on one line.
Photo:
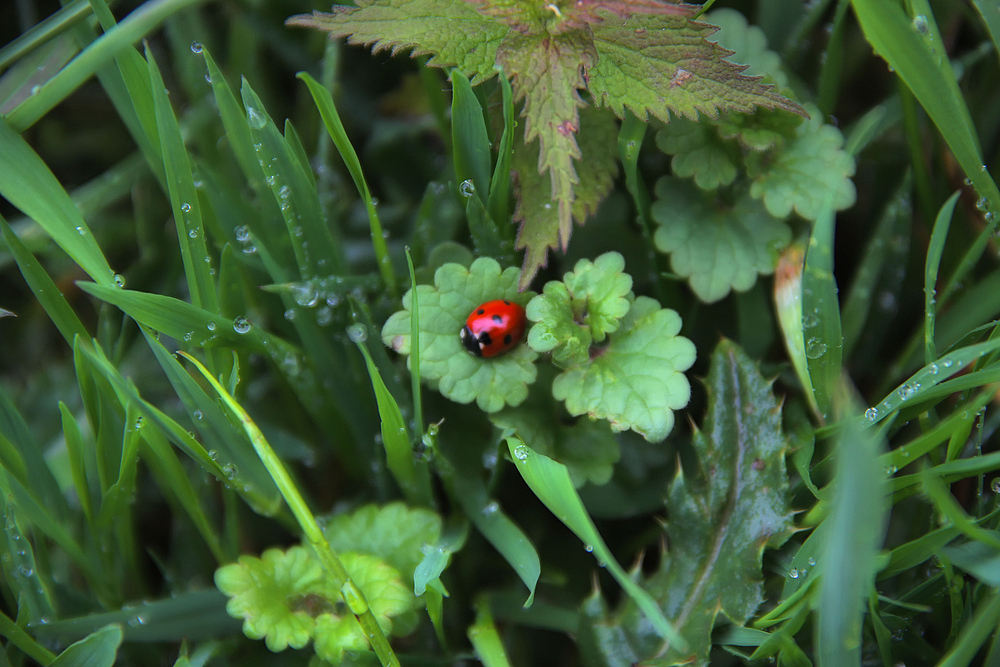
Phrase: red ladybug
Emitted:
{"points": [[493, 328]]}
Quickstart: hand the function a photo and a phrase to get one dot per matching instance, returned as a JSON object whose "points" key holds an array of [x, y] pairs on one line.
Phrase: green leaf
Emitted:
{"points": [[394, 532], [698, 152], [587, 448], [720, 519], [637, 380], [491, 382], [584, 308], [98, 650], [597, 168], [808, 169], [716, 248], [453, 33], [748, 44]]}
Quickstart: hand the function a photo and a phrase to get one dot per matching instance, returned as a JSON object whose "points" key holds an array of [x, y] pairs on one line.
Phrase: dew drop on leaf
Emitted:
{"points": [[467, 188], [241, 325], [357, 333], [255, 118], [196, 47], [210, 326], [995, 485], [815, 348]]}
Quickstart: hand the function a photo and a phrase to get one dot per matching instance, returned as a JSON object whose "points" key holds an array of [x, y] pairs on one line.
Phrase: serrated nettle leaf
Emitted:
{"points": [[536, 212], [717, 248], [637, 381], [720, 520], [649, 57], [443, 308], [807, 170], [748, 44]]}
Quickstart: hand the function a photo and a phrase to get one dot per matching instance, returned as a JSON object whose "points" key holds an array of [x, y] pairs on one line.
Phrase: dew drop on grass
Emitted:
{"points": [[230, 471], [324, 316], [241, 325], [920, 24], [290, 314], [521, 453], [467, 188], [198, 414], [793, 573], [186, 207], [255, 118], [871, 414], [210, 326], [119, 280], [357, 333], [490, 508], [196, 47], [305, 294], [995, 485], [815, 348]]}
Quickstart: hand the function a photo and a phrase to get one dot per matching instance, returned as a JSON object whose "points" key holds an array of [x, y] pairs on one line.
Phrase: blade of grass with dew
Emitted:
{"points": [[27, 183], [190, 615], [27, 74], [499, 200], [25, 584], [17, 637], [184, 202], [241, 468], [484, 231], [415, 390], [551, 483], [352, 595], [77, 462], [859, 508], [470, 140], [931, 381], [485, 639], [907, 46], [38, 475], [962, 416], [949, 472], [493, 523], [414, 483], [294, 192], [132, 28], [878, 257], [931, 266], [116, 501], [331, 119], [821, 330]]}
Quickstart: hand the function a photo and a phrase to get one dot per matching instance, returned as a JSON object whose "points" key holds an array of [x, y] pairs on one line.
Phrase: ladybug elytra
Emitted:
{"points": [[493, 328]]}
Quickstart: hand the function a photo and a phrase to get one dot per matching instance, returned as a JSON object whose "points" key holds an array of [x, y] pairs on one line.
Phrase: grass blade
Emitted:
{"points": [[485, 639], [931, 266], [550, 481], [821, 330], [470, 141], [99, 649]]}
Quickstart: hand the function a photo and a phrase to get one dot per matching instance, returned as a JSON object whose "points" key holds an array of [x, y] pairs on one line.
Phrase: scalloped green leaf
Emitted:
{"points": [[636, 381], [810, 168], [748, 44], [698, 152], [716, 248], [393, 532], [721, 520], [491, 382], [583, 309], [587, 448]]}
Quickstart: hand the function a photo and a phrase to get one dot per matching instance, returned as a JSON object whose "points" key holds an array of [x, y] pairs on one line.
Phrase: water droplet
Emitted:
{"points": [[793, 573], [467, 188], [890, 470], [290, 314], [119, 280], [193, 234], [242, 233], [81, 230], [521, 453], [995, 485], [210, 326], [490, 460], [214, 455], [196, 47], [982, 203], [305, 294], [324, 316], [241, 325], [230, 471], [811, 561], [589, 548], [138, 422], [198, 414], [357, 333], [905, 391], [815, 348], [920, 24], [188, 336], [255, 118], [490, 508], [871, 414], [186, 207]]}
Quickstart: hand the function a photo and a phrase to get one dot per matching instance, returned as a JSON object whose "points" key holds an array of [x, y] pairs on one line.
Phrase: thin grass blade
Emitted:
{"points": [[931, 266]]}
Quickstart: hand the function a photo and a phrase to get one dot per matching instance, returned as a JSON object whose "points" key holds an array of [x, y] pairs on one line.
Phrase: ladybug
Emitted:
{"points": [[493, 328]]}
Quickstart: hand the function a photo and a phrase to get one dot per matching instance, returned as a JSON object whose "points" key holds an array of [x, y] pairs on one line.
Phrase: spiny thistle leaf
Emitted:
{"points": [[719, 522], [491, 382], [637, 381], [647, 56], [716, 248]]}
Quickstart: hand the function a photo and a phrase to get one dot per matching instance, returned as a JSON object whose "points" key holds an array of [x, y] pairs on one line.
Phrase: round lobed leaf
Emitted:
{"points": [[638, 380], [491, 382], [716, 248]]}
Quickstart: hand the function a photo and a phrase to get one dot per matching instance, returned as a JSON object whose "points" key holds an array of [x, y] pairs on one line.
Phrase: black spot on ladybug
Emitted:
{"points": [[480, 311], [497, 319], [485, 340], [507, 339], [506, 302]]}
